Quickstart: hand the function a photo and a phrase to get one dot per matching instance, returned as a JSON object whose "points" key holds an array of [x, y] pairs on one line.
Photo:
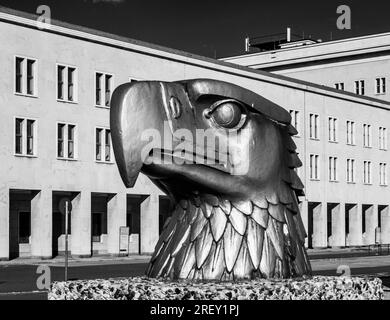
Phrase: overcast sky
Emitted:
{"points": [[214, 26]]}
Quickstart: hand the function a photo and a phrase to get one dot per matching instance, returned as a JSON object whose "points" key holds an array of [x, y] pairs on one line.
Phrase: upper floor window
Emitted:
{"points": [[339, 86], [351, 170], [332, 169], [314, 167], [350, 132], [383, 174], [367, 141], [295, 119], [25, 137], [103, 146], [66, 83], [332, 129], [66, 141], [25, 76], [367, 178], [314, 126], [380, 85], [103, 89], [360, 87], [382, 138]]}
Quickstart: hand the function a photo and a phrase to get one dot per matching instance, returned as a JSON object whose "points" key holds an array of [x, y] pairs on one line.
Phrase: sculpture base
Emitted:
{"points": [[315, 288]]}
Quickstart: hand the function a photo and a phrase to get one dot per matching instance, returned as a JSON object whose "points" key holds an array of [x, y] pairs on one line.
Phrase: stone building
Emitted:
{"points": [[55, 141]]}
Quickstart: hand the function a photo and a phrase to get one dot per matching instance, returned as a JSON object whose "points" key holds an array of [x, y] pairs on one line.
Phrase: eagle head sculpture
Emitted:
{"points": [[226, 158]]}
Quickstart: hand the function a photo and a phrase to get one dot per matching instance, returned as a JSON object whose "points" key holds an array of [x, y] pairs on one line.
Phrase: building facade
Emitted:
{"points": [[55, 142], [357, 65]]}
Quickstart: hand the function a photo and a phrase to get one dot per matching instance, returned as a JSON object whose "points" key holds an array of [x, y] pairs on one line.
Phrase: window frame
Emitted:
{"points": [[316, 168], [333, 170], [353, 133], [24, 78], [297, 120], [335, 129], [383, 170], [367, 173], [358, 90], [24, 137], [316, 128], [367, 137], [382, 85], [66, 141], [65, 79], [103, 88], [352, 174], [103, 144]]}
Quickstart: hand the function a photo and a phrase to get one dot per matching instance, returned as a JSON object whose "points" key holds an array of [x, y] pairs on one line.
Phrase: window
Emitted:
{"points": [[25, 137], [332, 169], [350, 132], [360, 87], [66, 141], [295, 121], [314, 126], [103, 148], [66, 83], [382, 138], [350, 170], [332, 129], [314, 167], [367, 172], [383, 174], [25, 76], [367, 136], [339, 86], [380, 85], [103, 87]]}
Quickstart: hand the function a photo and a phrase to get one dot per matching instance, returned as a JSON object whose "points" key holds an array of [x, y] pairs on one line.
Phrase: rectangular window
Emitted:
{"points": [[380, 85], [332, 129], [103, 89], [332, 169], [66, 141], [66, 83], [350, 132], [360, 87], [382, 138], [350, 170], [367, 135], [295, 121], [314, 167], [25, 76], [367, 172], [25, 137], [314, 126], [339, 86], [383, 174], [103, 145]]}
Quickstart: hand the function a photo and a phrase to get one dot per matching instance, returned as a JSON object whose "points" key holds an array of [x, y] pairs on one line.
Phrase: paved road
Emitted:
{"points": [[19, 281]]}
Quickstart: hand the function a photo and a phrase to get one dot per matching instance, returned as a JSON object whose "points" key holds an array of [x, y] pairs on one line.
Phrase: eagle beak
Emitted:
{"points": [[134, 108]]}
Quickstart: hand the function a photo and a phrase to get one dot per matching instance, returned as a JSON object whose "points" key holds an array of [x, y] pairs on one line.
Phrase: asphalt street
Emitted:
{"points": [[20, 281]]}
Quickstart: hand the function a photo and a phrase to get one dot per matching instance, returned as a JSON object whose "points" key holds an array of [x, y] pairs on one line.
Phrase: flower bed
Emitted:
{"points": [[316, 288]]}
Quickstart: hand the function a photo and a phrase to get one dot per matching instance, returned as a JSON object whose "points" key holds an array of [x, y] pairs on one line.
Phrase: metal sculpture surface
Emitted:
{"points": [[236, 213]]}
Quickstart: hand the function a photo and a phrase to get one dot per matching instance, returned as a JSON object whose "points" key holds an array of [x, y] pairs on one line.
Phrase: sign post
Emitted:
{"points": [[65, 207]]}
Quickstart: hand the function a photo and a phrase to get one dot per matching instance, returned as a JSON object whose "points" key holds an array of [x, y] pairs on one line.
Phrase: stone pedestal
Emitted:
{"points": [[149, 224], [41, 225]]}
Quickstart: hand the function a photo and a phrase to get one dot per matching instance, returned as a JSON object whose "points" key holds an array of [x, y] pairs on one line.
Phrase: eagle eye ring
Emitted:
{"points": [[229, 114]]}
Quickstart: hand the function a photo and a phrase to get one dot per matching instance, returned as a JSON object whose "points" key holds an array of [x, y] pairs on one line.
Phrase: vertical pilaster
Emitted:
{"points": [[116, 212], [81, 225], [42, 225], [385, 225], [149, 223], [4, 223], [371, 224], [304, 210], [338, 225], [355, 237], [320, 239]]}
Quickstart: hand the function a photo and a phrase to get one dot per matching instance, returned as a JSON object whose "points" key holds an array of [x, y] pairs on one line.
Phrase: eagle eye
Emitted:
{"points": [[228, 114]]}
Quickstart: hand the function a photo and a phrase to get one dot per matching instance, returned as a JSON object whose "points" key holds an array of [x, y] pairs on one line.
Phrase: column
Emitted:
{"points": [[81, 225], [385, 225], [320, 237], [355, 237], [371, 224], [304, 210], [149, 216], [338, 225], [116, 218], [4, 223], [42, 225]]}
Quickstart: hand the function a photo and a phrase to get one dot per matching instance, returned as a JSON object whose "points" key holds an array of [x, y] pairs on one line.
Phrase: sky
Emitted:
{"points": [[214, 28]]}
